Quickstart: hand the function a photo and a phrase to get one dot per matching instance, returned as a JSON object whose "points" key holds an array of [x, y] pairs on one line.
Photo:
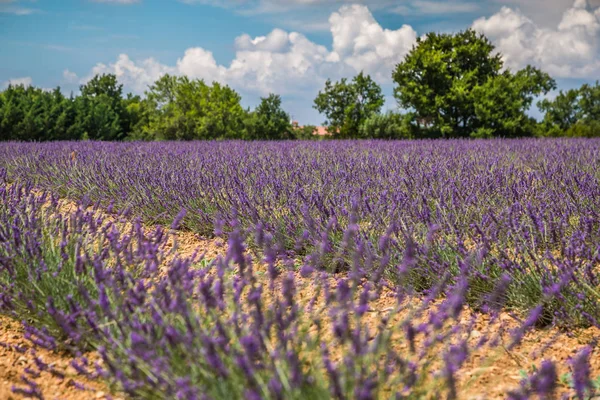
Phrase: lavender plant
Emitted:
{"points": [[55, 269], [434, 231], [529, 207]]}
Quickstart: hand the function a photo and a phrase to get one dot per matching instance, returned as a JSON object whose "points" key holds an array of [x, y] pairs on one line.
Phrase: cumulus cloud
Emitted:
{"points": [[136, 76], [70, 77], [284, 62], [545, 13], [290, 64], [118, 1], [25, 81], [362, 43], [277, 41], [570, 50]]}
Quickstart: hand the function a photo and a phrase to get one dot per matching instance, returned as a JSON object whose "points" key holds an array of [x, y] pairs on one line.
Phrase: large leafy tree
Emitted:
{"points": [[101, 111], [501, 103], [223, 114], [590, 102], [575, 112], [29, 113], [390, 125], [348, 104], [562, 112], [178, 108], [455, 85], [269, 121]]}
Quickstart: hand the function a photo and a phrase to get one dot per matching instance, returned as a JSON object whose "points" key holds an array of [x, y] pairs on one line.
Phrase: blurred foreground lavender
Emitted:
{"points": [[188, 328]]}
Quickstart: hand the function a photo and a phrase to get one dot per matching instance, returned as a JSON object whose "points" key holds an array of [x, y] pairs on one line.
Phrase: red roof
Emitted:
{"points": [[321, 131]]}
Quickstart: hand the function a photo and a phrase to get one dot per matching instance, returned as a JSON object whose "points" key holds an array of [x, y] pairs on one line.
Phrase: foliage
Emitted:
{"points": [[575, 113], [450, 85], [28, 113], [387, 126], [269, 121], [175, 108], [100, 112], [347, 105], [306, 132], [183, 109], [167, 326], [455, 86]]}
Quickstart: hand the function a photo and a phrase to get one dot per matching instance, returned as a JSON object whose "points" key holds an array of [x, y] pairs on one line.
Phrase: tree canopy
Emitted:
{"points": [[173, 108], [455, 85], [269, 121], [348, 104], [177, 108], [575, 112], [29, 113]]}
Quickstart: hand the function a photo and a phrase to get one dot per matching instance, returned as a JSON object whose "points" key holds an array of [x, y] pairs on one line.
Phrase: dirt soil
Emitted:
{"points": [[486, 375], [17, 354]]}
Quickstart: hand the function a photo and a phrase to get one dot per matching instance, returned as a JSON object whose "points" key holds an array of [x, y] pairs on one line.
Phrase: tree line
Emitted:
{"points": [[174, 108], [449, 85]]}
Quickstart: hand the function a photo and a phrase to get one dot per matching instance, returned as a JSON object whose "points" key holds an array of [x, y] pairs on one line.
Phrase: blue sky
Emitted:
{"points": [[284, 46]]}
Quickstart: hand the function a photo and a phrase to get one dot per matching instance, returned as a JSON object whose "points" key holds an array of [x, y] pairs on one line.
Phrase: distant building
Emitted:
{"points": [[319, 130]]}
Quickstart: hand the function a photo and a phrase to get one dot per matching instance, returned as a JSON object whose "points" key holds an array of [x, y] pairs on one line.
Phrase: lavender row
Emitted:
{"points": [[530, 209], [238, 326]]}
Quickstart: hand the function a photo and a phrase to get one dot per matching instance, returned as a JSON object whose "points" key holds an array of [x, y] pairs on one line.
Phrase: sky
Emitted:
{"points": [[288, 47]]}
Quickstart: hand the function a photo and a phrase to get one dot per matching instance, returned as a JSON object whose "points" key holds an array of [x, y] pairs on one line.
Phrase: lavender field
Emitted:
{"points": [[342, 269]]}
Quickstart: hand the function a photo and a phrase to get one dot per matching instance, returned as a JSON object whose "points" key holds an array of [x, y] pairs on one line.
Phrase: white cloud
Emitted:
{"points": [[136, 76], [118, 1], [13, 7], [284, 62], [277, 41], [571, 50], [362, 43], [20, 11], [25, 81], [70, 77], [426, 7], [545, 13], [198, 63], [290, 64]]}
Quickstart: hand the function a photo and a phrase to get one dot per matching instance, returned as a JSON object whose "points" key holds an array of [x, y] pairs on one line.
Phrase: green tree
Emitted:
{"points": [[590, 102], [223, 114], [101, 111], [454, 85], [178, 108], [29, 113], [501, 103], [60, 117], [390, 125], [269, 121], [306, 132], [346, 105], [561, 113], [575, 112]]}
